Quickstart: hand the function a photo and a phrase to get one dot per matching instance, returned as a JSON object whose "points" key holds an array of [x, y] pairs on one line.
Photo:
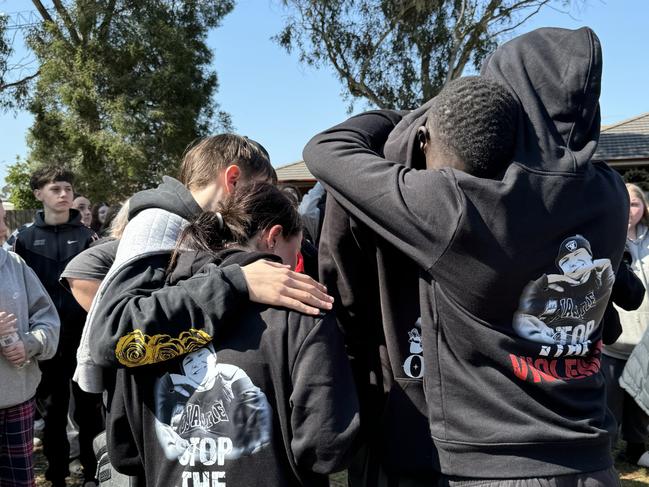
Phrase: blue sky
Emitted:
{"points": [[274, 99]]}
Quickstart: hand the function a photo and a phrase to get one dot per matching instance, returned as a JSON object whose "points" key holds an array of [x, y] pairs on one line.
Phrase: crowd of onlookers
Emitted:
{"points": [[459, 301]]}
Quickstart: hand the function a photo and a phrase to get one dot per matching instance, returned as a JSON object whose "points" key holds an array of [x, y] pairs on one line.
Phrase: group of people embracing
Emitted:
{"points": [[468, 250]]}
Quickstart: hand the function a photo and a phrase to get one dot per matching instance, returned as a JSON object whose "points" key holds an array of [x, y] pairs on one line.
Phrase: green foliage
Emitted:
{"points": [[124, 86], [15, 79], [5, 52], [637, 176], [396, 53], [21, 194]]}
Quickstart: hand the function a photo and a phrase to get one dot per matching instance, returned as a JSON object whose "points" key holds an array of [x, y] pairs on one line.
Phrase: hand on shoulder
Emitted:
{"points": [[277, 285]]}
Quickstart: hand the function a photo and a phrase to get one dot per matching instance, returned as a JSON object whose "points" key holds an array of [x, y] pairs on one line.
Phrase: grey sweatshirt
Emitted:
{"points": [[23, 295]]}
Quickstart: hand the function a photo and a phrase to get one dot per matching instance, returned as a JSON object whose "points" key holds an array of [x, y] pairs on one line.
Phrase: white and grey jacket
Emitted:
{"points": [[151, 231]]}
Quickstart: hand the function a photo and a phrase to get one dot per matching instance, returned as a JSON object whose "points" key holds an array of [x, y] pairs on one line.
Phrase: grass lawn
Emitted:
{"points": [[631, 476]]}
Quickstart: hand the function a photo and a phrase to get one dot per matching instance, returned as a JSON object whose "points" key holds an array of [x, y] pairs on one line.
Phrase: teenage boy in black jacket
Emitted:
{"points": [[47, 246], [501, 407]]}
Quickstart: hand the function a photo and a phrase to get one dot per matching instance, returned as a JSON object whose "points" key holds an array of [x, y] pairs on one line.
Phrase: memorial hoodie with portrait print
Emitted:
{"points": [[509, 394], [271, 403]]}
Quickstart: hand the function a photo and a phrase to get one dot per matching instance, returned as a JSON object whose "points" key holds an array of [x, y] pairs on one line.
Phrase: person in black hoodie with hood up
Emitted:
{"points": [[271, 403], [501, 407]]}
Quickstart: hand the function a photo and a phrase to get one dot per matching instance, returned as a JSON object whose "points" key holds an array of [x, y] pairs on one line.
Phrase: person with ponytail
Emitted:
{"points": [[260, 217], [269, 400]]}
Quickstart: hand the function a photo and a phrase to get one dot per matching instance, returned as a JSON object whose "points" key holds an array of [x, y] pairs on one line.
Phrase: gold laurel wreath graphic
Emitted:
{"points": [[136, 348]]}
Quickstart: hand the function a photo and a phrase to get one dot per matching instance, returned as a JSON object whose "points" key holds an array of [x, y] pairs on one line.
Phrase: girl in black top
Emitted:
{"points": [[268, 401]]}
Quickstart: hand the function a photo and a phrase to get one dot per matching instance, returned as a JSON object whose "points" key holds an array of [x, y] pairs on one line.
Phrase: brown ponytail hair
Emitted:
{"points": [[251, 209]]}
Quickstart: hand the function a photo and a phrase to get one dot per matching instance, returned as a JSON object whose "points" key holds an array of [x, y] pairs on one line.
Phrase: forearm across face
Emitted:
{"points": [[417, 211]]}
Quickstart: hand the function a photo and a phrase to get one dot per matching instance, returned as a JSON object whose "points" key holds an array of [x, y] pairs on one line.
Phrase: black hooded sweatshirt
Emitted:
{"points": [[376, 293], [47, 249], [511, 336], [276, 405]]}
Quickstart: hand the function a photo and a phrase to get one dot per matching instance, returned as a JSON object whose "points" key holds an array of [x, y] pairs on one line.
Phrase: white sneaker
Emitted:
{"points": [[643, 461]]}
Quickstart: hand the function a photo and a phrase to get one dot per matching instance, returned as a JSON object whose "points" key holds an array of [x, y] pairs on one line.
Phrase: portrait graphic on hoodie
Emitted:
{"points": [[209, 414], [562, 312]]}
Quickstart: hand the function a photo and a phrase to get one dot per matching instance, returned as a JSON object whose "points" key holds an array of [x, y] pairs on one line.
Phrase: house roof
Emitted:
{"points": [[628, 139], [295, 171]]}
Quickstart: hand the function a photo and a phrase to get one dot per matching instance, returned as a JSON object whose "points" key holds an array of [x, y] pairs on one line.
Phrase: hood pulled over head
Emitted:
{"points": [[556, 75]]}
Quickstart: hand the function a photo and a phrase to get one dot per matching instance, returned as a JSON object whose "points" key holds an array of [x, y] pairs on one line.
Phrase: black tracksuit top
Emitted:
{"points": [[47, 249]]}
